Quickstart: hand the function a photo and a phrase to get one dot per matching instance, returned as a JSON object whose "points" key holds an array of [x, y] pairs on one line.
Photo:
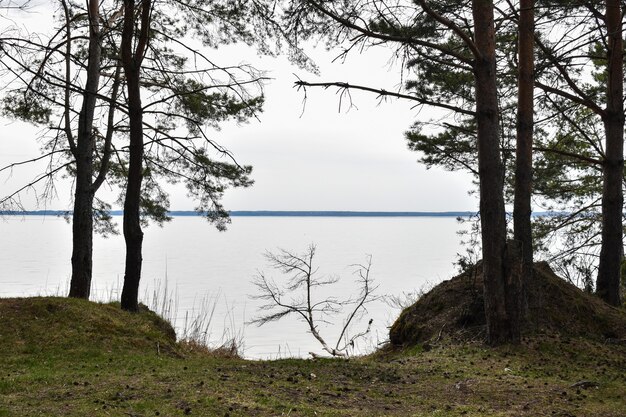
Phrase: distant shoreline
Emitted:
{"points": [[273, 213]]}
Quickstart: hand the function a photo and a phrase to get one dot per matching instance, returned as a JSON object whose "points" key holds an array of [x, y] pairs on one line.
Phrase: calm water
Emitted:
{"points": [[196, 262]]}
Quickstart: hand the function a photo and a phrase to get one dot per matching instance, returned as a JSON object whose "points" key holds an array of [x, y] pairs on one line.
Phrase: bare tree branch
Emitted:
{"points": [[342, 86]]}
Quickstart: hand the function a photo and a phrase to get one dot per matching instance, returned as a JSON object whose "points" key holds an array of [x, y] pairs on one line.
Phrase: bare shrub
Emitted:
{"points": [[408, 298], [297, 297]]}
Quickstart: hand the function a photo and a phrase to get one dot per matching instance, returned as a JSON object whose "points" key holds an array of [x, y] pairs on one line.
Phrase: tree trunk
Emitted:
{"points": [[82, 229], [491, 177], [514, 270], [82, 216], [133, 235], [608, 281], [524, 150]]}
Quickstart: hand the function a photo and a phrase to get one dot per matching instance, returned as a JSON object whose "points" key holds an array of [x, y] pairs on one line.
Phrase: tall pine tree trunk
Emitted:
{"points": [[524, 149], [612, 196], [82, 228], [520, 259], [133, 235], [500, 328], [82, 217]]}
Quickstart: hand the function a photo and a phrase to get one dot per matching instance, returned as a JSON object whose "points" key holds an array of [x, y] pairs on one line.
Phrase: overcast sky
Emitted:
{"points": [[311, 158]]}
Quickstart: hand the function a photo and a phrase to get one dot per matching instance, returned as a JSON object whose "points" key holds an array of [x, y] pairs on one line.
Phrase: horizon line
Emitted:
{"points": [[270, 213]]}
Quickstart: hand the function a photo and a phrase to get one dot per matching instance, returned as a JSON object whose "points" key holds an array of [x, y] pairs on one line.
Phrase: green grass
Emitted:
{"points": [[62, 357]]}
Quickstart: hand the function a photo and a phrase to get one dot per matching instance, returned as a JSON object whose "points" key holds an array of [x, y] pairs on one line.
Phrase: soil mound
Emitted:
{"points": [[454, 309]]}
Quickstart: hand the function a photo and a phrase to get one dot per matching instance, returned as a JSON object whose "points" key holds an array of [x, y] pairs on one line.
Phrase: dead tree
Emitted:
{"points": [[297, 297]]}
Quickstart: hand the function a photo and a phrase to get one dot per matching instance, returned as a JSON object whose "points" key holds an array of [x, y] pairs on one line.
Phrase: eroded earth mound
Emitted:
{"points": [[454, 309]]}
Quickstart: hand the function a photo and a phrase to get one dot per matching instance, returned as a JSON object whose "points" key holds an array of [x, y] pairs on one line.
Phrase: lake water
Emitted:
{"points": [[195, 262]]}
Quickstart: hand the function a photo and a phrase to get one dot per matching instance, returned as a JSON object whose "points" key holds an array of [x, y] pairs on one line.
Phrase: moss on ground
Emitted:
{"points": [[75, 358]]}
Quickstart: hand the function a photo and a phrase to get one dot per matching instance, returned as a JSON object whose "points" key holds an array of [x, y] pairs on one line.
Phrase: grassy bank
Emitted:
{"points": [[62, 357]]}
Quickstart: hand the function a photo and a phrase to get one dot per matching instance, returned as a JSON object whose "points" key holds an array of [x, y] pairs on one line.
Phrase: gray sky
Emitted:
{"points": [[311, 158]]}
